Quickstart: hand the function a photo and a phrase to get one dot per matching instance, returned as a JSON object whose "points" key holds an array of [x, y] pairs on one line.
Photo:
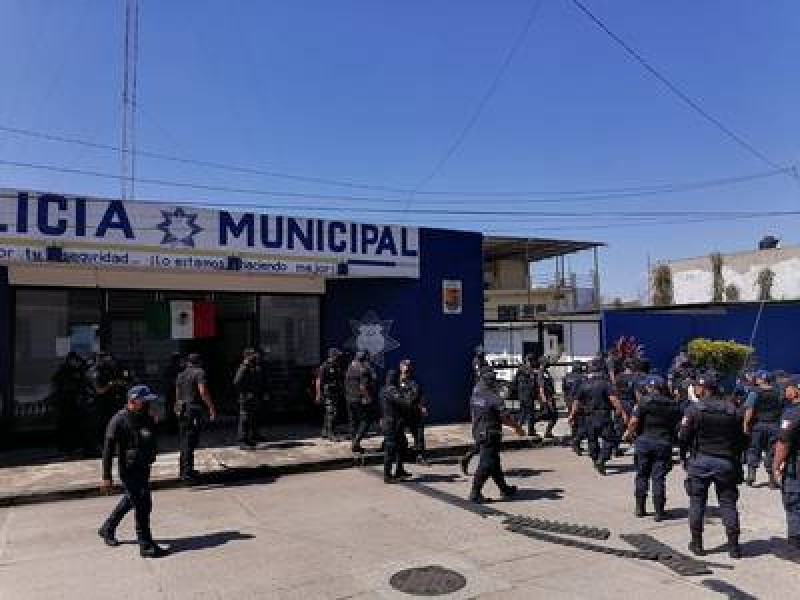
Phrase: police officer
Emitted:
{"points": [[359, 383], [654, 424], [191, 393], [488, 417], [329, 391], [417, 411], [597, 400], [75, 416], [109, 389], [131, 436], [525, 384], [478, 362], [573, 382], [762, 422], [786, 464], [625, 384], [177, 363], [546, 394], [712, 435], [249, 385], [397, 409]]}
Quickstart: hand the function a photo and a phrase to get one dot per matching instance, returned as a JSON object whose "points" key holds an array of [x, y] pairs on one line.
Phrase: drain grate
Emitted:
{"points": [[432, 580]]}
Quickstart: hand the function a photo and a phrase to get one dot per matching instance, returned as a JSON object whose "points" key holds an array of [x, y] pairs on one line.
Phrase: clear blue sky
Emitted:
{"points": [[376, 91]]}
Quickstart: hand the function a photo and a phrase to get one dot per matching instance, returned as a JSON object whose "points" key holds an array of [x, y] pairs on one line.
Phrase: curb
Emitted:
{"points": [[234, 475]]}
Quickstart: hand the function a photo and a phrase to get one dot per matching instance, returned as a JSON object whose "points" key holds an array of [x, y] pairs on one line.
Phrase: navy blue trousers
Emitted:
{"points": [[723, 473]]}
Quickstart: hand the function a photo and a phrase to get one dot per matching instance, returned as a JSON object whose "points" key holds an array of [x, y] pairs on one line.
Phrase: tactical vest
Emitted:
{"points": [[768, 406], [142, 448], [572, 383], [659, 418], [486, 423], [409, 390], [718, 429], [525, 377], [329, 379], [352, 382]]}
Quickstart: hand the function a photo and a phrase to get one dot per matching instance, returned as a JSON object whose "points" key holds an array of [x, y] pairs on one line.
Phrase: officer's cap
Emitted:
{"points": [[142, 393], [597, 366], [487, 374], [708, 380], [653, 381], [764, 375]]}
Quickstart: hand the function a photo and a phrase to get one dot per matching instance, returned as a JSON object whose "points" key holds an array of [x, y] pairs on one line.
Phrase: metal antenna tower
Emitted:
{"points": [[128, 145]]}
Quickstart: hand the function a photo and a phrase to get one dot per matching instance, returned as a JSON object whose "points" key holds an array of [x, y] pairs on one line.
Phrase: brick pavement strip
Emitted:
{"points": [[65, 480]]}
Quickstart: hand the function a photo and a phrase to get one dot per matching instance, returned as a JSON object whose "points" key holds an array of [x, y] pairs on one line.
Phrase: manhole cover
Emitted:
{"points": [[428, 581]]}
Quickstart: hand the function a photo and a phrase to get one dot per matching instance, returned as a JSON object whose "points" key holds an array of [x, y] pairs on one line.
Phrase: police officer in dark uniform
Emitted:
{"points": [[397, 409], [249, 385], [478, 362], [526, 384], [573, 381], [109, 389], [329, 390], [488, 417], [712, 435], [177, 363], [359, 383], [625, 384], [786, 464], [417, 412], [74, 406], [191, 393], [131, 435], [597, 400], [546, 395], [762, 422], [654, 424]]}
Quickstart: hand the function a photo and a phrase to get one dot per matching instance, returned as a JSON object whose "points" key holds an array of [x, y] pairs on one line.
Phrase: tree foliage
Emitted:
{"points": [[725, 357], [663, 294]]}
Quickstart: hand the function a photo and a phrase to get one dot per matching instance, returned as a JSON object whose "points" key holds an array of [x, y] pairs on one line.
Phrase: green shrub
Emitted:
{"points": [[724, 357]]}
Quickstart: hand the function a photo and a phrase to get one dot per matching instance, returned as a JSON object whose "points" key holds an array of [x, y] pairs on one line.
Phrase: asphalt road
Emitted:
{"points": [[344, 534]]}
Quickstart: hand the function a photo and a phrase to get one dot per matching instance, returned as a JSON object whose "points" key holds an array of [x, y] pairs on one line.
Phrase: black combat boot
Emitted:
{"points": [[508, 492], [658, 505], [107, 533], [600, 467], [152, 550], [734, 549], [794, 541], [640, 510], [696, 545], [751, 476]]}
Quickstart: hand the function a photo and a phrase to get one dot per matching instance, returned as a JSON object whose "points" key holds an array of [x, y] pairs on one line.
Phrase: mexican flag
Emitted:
{"points": [[182, 319]]}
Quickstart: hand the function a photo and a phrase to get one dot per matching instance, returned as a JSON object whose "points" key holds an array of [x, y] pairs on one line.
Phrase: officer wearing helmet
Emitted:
{"points": [[711, 440], [329, 390], [654, 425], [787, 462], [489, 414], [547, 402], [359, 384], [762, 422], [596, 399], [625, 385]]}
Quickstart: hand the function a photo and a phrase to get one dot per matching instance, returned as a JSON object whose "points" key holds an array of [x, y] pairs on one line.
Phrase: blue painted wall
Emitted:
{"points": [[662, 331], [440, 345]]}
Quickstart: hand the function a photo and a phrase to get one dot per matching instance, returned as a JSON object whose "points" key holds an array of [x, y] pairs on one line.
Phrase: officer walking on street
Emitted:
{"points": [[131, 435], [712, 435], [762, 422], [329, 389], [573, 381], [417, 412], [191, 393], [396, 409], [359, 385], [596, 399], [547, 398], [526, 382], [249, 385], [489, 414], [654, 425], [786, 464]]}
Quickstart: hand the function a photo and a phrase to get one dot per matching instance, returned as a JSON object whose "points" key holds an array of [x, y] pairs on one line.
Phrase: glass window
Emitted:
{"points": [[48, 325]]}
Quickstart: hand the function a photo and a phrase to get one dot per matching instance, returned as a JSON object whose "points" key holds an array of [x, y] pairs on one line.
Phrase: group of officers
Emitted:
{"points": [[716, 435]]}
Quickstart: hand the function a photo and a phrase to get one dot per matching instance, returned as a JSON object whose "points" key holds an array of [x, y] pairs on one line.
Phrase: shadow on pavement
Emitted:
{"points": [[774, 546], [206, 541], [525, 472], [435, 478], [534, 494], [727, 590]]}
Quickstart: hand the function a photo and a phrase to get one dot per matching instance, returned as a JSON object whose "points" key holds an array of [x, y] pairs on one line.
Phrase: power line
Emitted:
{"points": [[373, 210], [675, 90], [490, 91], [582, 195]]}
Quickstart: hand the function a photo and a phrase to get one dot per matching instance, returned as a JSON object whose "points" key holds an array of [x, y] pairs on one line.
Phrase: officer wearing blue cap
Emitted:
{"points": [[762, 421], [787, 461], [131, 436], [654, 424], [712, 435]]}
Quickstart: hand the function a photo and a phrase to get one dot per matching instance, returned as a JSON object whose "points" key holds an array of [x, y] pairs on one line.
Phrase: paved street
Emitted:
{"points": [[343, 534]]}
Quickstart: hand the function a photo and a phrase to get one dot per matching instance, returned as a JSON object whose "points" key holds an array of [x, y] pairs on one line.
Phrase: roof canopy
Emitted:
{"points": [[532, 249]]}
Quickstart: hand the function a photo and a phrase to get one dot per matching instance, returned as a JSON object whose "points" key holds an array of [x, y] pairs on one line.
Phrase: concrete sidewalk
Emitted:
{"points": [[45, 477]]}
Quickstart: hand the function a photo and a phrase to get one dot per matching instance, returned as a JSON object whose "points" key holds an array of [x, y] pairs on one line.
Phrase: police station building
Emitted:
{"points": [[142, 281]]}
